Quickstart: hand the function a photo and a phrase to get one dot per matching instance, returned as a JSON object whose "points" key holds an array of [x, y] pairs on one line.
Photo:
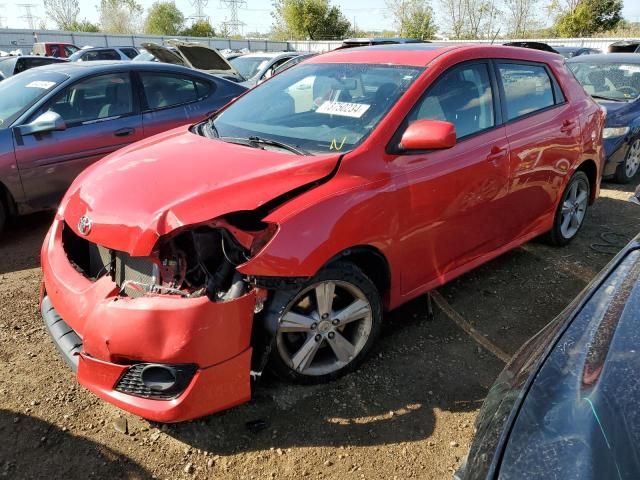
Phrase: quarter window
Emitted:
{"points": [[165, 90], [462, 96], [527, 88], [97, 98]]}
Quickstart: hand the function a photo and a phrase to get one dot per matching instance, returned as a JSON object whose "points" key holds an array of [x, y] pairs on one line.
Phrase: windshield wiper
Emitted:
{"points": [[276, 143], [611, 99]]}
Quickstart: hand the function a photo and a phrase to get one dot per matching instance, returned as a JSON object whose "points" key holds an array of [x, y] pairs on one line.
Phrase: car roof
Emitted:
{"points": [[421, 54], [607, 58], [382, 39], [270, 54], [80, 69]]}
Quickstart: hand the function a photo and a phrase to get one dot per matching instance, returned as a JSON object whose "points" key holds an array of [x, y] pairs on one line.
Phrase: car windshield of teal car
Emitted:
{"points": [[19, 92], [609, 81], [315, 108]]}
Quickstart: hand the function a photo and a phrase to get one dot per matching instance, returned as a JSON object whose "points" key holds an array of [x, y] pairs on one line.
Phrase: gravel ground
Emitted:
{"points": [[407, 413]]}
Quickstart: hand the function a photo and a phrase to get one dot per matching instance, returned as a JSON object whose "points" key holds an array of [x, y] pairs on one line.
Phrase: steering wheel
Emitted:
{"points": [[629, 90]]}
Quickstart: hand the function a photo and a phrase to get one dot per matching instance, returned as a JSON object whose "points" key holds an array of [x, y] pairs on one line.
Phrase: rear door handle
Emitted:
{"points": [[567, 126], [496, 153], [123, 132]]}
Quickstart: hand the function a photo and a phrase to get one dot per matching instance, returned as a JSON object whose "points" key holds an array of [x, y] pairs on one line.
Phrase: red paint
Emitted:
{"points": [[433, 215], [428, 135]]}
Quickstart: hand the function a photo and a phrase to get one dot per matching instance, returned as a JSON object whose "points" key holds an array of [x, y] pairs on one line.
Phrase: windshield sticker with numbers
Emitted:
{"points": [[345, 109]]}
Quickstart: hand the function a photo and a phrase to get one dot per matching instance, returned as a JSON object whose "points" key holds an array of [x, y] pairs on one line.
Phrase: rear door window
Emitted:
{"points": [[163, 90], [129, 52], [527, 88]]}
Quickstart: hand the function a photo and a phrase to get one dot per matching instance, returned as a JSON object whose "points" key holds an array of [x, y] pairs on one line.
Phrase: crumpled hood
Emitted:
{"points": [[179, 178]]}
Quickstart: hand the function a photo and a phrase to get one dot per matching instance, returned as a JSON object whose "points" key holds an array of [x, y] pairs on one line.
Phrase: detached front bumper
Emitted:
{"points": [[104, 336]]}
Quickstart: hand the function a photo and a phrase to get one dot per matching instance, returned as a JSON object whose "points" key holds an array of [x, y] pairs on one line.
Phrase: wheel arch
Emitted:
{"points": [[7, 199], [373, 264], [591, 171]]}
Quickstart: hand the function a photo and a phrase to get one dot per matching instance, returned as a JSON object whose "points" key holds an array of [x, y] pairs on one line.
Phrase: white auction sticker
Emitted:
{"points": [[40, 84], [345, 109]]}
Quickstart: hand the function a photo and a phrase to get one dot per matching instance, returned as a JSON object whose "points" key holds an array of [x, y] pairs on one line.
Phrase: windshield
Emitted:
{"points": [[317, 107], [19, 92], [249, 67], [613, 81]]}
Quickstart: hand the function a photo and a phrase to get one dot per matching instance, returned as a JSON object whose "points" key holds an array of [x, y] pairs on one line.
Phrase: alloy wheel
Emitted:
{"points": [[324, 328], [574, 208], [632, 162]]}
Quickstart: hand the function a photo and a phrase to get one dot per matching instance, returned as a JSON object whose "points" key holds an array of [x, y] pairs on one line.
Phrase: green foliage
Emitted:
{"points": [[201, 28], [309, 19], [164, 18], [414, 18], [589, 17], [83, 26]]}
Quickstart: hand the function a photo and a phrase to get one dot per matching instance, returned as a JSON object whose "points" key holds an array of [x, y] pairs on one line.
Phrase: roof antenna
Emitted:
{"points": [[495, 36]]}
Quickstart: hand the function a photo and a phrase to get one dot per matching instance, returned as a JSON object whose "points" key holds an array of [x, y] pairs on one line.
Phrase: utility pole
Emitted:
{"points": [[200, 6], [28, 16], [234, 25]]}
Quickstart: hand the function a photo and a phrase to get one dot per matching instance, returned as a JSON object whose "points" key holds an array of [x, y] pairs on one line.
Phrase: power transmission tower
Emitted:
{"points": [[233, 25], [1, 17], [199, 6], [28, 16]]}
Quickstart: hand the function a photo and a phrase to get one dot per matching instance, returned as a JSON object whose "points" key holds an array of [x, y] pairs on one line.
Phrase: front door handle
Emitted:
{"points": [[496, 153], [123, 132]]}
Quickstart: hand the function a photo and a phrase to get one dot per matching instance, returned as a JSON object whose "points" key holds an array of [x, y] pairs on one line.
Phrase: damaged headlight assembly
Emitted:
{"points": [[202, 260]]}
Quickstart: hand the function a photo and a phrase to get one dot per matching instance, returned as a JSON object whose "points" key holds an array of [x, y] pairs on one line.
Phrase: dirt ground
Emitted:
{"points": [[407, 413]]}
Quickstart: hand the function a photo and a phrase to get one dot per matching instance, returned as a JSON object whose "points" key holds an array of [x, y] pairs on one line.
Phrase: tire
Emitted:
{"points": [[629, 168], [309, 343], [3, 215], [572, 209]]}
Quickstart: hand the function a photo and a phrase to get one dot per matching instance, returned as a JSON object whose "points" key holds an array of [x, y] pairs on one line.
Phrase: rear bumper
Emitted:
{"points": [[616, 153], [101, 334]]}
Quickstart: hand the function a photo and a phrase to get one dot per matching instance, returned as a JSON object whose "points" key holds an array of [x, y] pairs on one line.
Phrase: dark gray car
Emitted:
{"points": [[58, 119], [10, 66]]}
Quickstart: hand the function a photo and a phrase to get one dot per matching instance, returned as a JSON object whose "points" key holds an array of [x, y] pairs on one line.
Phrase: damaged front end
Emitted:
{"points": [[193, 262]]}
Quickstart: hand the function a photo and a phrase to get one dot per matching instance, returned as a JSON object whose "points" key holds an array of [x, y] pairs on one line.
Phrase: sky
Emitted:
{"points": [[368, 14]]}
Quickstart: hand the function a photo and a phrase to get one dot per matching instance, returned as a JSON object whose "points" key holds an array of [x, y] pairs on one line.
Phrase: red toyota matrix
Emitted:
{"points": [[278, 231]]}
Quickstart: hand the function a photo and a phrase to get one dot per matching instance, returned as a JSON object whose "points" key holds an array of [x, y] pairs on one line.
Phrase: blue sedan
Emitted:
{"points": [[614, 81], [58, 119]]}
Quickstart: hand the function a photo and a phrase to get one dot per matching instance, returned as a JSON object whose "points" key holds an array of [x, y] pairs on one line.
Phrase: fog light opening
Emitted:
{"points": [[159, 378]]}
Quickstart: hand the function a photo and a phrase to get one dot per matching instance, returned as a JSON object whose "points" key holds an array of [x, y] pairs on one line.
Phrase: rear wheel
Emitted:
{"points": [[571, 211], [3, 214], [326, 328], [629, 168]]}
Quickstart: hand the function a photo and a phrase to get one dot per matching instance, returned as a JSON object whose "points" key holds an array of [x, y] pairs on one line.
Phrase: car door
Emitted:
{"points": [[101, 115], [543, 131], [173, 99], [455, 198]]}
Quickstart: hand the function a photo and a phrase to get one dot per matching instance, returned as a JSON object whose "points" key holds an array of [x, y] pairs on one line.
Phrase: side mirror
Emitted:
{"points": [[47, 122], [428, 135]]}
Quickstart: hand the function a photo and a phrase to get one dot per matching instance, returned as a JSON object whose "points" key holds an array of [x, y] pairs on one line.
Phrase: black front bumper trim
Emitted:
{"points": [[66, 340]]}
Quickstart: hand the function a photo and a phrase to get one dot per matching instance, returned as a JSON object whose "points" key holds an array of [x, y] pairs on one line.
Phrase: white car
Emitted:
{"points": [[104, 53], [257, 67]]}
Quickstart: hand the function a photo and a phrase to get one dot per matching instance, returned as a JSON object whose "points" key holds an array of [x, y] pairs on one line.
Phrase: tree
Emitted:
{"points": [[455, 11], [83, 26], [201, 28], [119, 16], [164, 18], [589, 17], [310, 19], [521, 16], [413, 18], [64, 13]]}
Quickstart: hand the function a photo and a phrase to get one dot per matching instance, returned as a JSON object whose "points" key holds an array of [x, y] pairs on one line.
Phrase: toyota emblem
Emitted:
{"points": [[84, 225]]}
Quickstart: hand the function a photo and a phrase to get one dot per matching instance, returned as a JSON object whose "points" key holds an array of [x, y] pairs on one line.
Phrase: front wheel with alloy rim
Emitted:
{"points": [[571, 211], [628, 169], [326, 328]]}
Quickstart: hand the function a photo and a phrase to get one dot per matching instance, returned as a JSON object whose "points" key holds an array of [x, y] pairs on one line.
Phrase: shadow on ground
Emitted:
{"points": [[32, 448]]}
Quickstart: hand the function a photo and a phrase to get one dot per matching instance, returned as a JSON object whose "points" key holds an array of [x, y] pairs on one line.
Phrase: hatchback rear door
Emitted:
{"points": [[544, 132], [101, 115]]}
